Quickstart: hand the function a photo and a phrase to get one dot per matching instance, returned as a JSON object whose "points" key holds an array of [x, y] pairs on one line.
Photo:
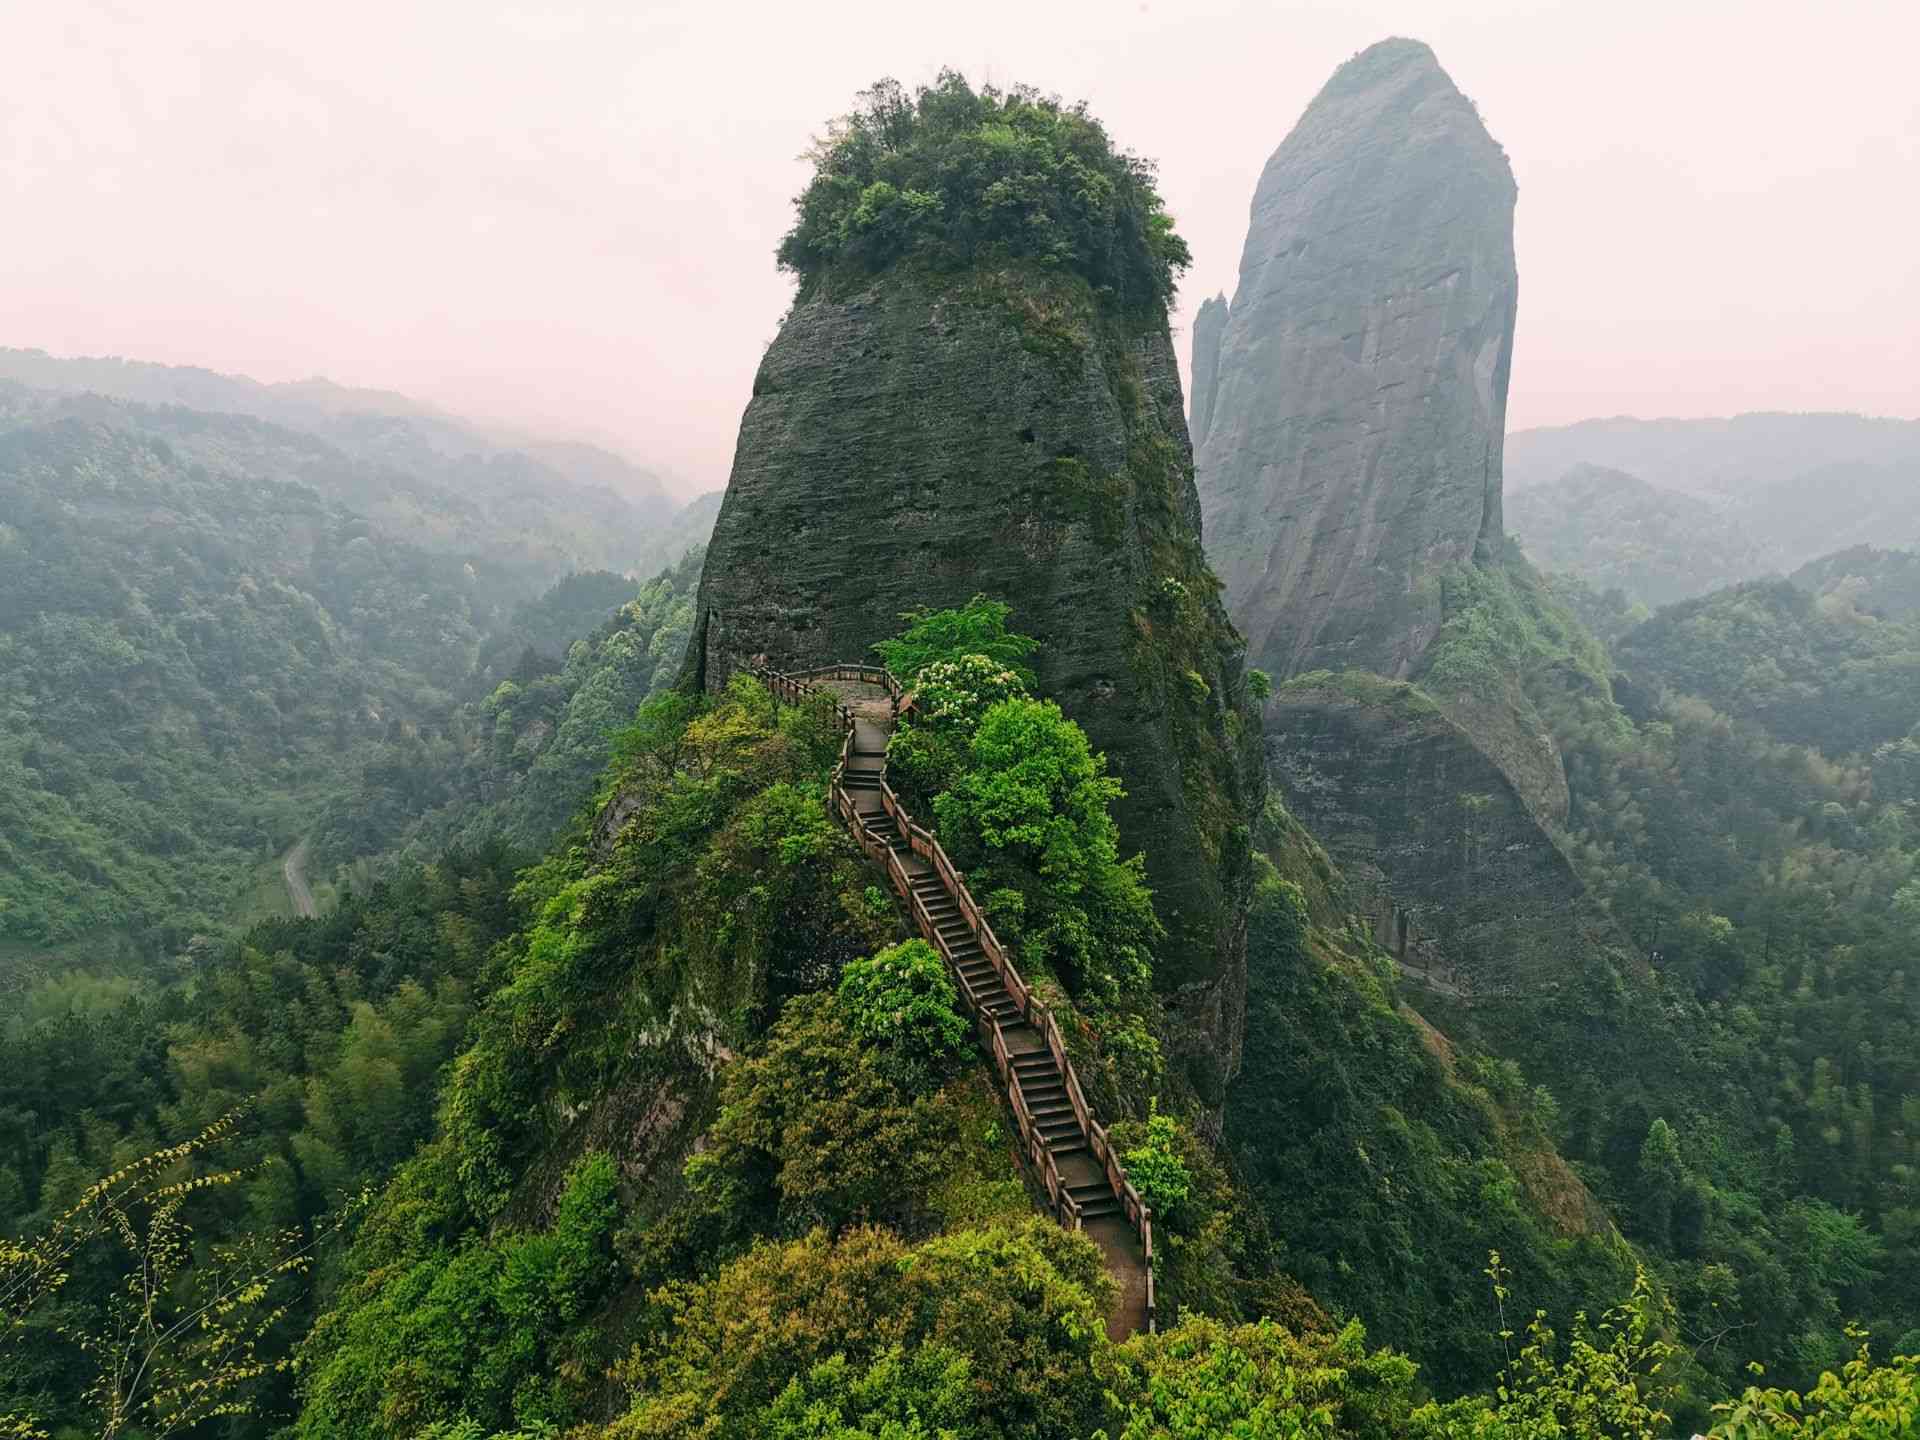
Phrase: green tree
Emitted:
{"points": [[903, 999], [1205, 1378], [951, 177], [978, 628], [1156, 1168], [1864, 1401], [1663, 1179], [1034, 801]]}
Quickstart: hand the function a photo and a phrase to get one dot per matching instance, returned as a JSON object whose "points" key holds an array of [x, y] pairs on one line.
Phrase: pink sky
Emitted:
{"points": [[566, 212]]}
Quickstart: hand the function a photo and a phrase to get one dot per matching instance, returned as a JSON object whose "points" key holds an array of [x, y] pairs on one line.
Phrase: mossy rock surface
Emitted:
{"points": [[1013, 433]]}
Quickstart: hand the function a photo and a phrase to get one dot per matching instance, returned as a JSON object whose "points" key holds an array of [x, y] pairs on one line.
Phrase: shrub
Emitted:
{"points": [[1156, 1169], [977, 628], [818, 1129], [486, 1331], [903, 999], [1206, 1378], [1022, 1307]]}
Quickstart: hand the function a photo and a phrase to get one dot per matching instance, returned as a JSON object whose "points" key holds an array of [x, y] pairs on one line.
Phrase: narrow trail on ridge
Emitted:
{"points": [[1035, 1073], [293, 869]]}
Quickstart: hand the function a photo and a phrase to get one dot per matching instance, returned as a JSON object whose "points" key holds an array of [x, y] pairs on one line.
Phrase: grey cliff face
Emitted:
{"points": [[923, 440], [1351, 453], [1445, 853], [1209, 326]]}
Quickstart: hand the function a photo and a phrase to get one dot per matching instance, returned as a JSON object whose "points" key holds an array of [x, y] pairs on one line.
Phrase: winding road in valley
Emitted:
{"points": [[294, 870]]}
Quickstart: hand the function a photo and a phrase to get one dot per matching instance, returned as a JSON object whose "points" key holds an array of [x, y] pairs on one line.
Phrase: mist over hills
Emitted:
{"points": [[1243, 855], [1712, 456], [537, 504], [1670, 509], [342, 413]]}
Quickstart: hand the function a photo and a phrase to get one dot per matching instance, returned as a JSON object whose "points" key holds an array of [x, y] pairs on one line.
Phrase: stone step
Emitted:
{"points": [[1100, 1209]]}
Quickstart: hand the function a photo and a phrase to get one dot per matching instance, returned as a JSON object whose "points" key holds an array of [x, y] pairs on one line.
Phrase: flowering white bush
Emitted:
{"points": [[958, 692]]}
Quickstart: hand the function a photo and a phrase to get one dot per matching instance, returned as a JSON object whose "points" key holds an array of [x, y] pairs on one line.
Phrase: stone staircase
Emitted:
{"points": [[1068, 1150]]}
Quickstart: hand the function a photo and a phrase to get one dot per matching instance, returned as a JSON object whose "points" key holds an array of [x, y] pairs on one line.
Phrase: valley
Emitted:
{"points": [[1090, 894]]}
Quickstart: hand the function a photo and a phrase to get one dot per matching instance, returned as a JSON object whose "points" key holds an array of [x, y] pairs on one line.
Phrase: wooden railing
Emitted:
{"points": [[795, 688]]}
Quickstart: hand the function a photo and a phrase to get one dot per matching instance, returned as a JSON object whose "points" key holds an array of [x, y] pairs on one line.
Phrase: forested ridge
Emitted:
{"points": [[611, 1095], [201, 642], [1741, 1091]]}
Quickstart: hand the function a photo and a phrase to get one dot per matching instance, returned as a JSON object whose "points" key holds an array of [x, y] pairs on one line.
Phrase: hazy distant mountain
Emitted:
{"points": [[1878, 582], [1611, 528], [1669, 509], [380, 425], [1713, 457]]}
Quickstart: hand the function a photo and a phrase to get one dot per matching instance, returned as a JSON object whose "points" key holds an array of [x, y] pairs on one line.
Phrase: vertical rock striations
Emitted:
{"points": [[920, 433], [1208, 328], [1351, 452]]}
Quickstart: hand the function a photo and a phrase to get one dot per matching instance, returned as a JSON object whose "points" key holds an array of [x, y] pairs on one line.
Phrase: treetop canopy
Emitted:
{"points": [[954, 177]]}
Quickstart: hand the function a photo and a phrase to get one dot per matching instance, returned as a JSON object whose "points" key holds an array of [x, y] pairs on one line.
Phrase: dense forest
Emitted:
{"points": [[1742, 1092], [613, 1094], [201, 642]]}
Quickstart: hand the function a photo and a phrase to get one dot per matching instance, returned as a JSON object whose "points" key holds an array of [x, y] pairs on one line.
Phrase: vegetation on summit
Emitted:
{"points": [[954, 177]]}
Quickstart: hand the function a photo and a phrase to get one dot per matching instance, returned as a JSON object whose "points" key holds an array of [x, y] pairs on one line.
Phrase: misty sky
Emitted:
{"points": [[566, 212]]}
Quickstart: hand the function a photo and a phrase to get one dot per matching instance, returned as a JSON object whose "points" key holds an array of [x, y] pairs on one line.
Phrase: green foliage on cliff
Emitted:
{"points": [[1023, 804], [955, 637], [953, 177], [720, 889], [1503, 623], [902, 999], [1384, 1165], [819, 1128]]}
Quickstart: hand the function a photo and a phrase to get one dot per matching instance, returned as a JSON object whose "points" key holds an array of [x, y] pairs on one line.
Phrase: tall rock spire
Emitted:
{"points": [[1208, 328], [925, 429], [1351, 452]]}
